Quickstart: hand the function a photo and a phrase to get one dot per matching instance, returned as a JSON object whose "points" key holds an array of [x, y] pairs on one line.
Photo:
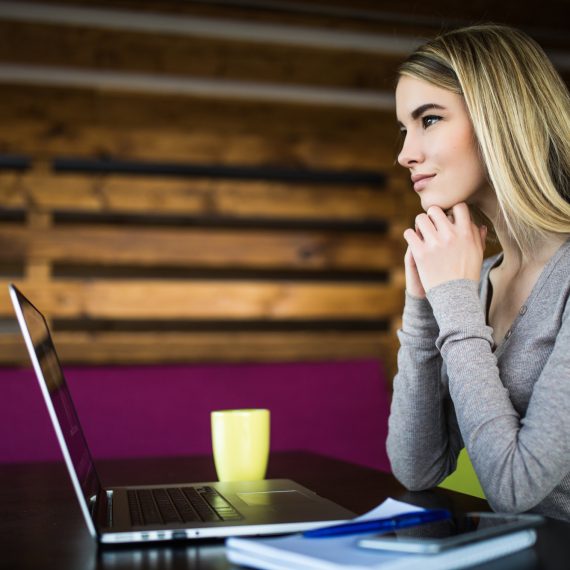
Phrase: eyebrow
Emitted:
{"points": [[419, 111], [422, 108]]}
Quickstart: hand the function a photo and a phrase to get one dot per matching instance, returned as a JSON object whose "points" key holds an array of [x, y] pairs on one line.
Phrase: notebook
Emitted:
{"points": [[162, 512], [340, 553]]}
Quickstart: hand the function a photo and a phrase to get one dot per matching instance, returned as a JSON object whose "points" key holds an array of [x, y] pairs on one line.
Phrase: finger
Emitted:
{"points": [[409, 258], [425, 226], [461, 214], [483, 235], [418, 232], [414, 241], [439, 218]]}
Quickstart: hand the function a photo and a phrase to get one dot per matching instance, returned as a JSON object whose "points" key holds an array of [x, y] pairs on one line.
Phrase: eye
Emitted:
{"points": [[429, 120]]}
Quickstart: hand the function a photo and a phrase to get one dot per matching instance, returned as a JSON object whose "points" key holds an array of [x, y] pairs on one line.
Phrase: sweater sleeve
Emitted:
{"points": [[519, 461], [422, 426]]}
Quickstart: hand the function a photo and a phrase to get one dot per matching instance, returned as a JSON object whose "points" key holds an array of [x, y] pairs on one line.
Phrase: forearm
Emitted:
{"points": [[518, 461], [418, 442]]}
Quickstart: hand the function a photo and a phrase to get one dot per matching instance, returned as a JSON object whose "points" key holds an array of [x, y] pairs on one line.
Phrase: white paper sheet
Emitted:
{"points": [[341, 551]]}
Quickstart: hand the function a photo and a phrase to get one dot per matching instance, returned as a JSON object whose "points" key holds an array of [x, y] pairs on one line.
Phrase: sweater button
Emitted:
{"points": [[523, 310]]}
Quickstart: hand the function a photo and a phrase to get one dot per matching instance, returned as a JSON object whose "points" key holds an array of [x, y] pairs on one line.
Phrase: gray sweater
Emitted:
{"points": [[509, 405]]}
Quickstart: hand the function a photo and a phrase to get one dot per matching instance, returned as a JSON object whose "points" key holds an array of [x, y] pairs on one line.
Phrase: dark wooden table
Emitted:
{"points": [[42, 527]]}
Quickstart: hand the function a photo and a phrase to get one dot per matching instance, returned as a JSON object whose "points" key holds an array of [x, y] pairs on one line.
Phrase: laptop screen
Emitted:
{"points": [[56, 392]]}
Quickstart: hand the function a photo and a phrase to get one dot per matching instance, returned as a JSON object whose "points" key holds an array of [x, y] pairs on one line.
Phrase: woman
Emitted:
{"points": [[484, 361]]}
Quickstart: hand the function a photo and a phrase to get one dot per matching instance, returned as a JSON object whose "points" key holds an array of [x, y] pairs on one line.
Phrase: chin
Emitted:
{"points": [[427, 204], [443, 200]]}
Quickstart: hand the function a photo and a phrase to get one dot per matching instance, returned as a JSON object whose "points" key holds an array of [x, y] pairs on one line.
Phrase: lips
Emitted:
{"points": [[420, 181]]}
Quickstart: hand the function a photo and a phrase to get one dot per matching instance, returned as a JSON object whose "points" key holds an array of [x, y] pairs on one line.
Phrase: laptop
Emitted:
{"points": [[195, 510]]}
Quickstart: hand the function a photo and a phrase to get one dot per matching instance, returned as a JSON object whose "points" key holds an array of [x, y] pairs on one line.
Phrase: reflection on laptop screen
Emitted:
{"points": [[60, 397]]}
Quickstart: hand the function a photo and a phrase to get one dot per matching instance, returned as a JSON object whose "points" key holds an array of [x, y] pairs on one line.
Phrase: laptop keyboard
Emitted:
{"points": [[179, 505]]}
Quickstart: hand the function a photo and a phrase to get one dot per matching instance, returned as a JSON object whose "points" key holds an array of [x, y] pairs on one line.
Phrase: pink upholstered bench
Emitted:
{"points": [[338, 409]]}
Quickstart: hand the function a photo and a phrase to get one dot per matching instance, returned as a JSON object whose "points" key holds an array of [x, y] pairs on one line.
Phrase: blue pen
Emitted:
{"points": [[375, 525]]}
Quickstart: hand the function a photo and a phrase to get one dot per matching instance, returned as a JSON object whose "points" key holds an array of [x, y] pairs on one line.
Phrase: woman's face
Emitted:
{"points": [[439, 146]]}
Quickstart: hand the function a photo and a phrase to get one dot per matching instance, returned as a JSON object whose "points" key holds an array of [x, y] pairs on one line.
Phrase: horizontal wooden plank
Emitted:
{"points": [[392, 16], [247, 22], [84, 47], [55, 121], [201, 248], [208, 299], [154, 348], [203, 197]]}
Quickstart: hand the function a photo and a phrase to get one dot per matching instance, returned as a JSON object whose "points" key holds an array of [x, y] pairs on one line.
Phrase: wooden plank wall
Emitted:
{"points": [[202, 196]]}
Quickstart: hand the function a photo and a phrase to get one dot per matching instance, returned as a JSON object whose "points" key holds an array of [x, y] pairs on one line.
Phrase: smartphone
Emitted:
{"points": [[434, 537]]}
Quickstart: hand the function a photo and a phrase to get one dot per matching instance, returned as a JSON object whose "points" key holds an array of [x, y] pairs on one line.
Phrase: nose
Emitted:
{"points": [[411, 152]]}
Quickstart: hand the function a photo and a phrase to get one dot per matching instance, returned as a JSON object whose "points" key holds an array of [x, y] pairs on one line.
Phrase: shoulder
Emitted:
{"points": [[552, 293], [560, 278], [559, 273]]}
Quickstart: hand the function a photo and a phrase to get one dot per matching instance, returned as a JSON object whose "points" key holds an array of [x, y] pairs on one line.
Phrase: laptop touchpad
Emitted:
{"points": [[273, 498]]}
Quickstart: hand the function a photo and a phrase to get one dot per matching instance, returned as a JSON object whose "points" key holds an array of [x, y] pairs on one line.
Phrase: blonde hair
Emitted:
{"points": [[520, 111]]}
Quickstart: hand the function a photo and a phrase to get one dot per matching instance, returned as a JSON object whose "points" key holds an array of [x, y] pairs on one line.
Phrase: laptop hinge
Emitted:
{"points": [[109, 495], [101, 508], [93, 506]]}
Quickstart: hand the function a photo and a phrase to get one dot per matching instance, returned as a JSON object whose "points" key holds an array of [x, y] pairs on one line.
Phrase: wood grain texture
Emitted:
{"points": [[155, 247], [163, 347], [207, 299], [206, 197], [135, 52], [155, 255], [395, 16], [48, 122]]}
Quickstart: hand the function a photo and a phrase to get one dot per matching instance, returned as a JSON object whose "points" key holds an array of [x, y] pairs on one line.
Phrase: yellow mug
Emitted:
{"points": [[240, 441]]}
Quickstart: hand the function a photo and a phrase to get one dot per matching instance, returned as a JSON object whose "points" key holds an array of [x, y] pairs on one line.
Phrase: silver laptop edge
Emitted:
{"points": [[53, 416]]}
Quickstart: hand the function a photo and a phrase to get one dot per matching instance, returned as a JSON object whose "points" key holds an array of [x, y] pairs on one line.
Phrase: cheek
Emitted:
{"points": [[474, 166], [467, 159], [461, 174]]}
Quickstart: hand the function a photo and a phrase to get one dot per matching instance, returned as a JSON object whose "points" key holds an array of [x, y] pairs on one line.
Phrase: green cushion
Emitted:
{"points": [[464, 479]]}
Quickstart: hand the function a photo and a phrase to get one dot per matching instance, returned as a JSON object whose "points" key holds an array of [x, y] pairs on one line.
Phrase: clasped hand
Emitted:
{"points": [[443, 247]]}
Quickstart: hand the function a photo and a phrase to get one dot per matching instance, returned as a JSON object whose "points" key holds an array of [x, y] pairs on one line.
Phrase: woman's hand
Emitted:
{"points": [[443, 248], [413, 282]]}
